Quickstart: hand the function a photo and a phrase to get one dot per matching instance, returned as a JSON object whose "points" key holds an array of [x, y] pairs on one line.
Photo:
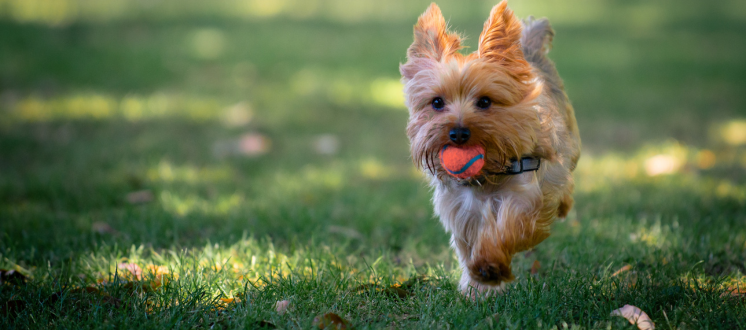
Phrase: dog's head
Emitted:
{"points": [[483, 98]]}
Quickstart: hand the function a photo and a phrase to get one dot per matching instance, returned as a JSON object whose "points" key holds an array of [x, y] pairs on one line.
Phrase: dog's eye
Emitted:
{"points": [[484, 102], [438, 103]]}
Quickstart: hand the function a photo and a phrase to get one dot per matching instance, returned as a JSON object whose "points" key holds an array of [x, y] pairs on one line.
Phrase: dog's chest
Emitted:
{"points": [[461, 209]]}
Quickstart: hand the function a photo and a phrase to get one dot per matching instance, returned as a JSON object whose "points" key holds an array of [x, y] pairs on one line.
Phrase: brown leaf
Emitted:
{"points": [[12, 308], [282, 306], [133, 269], [414, 280], [103, 228], [140, 197], [635, 316], [734, 291], [229, 300], [140, 287], [535, 267], [331, 321], [622, 270], [12, 277]]}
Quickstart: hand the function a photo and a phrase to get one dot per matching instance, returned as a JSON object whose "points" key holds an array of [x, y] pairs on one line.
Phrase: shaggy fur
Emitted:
{"points": [[493, 216]]}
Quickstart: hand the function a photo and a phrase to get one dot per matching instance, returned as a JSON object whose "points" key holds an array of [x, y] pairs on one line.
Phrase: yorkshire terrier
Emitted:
{"points": [[507, 98]]}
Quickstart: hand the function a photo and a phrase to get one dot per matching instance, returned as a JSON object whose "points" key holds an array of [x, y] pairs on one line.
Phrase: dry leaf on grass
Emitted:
{"points": [[535, 267], [229, 300], [133, 269], [252, 144], [103, 228], [622, 270], [734, 292], [140, 197], [12, 277], [282, 306], [326, 144], [137, 280], [635, 316], [331, 321]]}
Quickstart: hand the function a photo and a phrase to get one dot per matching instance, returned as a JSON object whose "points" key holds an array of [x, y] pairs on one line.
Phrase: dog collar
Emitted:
{"points": [[525, 164]]}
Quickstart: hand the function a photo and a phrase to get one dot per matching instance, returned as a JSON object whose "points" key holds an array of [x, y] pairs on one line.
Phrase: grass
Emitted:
{"points": [[96, 109]]}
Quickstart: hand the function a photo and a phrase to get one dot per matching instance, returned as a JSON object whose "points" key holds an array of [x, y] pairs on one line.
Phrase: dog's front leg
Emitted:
{"points": [[508, 225]]}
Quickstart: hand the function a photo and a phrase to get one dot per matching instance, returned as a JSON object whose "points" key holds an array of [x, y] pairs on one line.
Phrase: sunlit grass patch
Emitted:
{"points": [[191, 164], [99, 106]]}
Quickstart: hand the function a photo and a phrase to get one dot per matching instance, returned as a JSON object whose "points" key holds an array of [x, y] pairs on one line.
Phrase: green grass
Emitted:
{"points": [[94, 109]]}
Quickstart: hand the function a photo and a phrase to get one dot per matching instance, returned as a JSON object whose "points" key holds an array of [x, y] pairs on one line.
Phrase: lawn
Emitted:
{"points": [[190, 164]]}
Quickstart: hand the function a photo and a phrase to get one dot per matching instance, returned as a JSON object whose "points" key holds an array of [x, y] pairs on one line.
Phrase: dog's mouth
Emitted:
{"points": [[490, 161]]}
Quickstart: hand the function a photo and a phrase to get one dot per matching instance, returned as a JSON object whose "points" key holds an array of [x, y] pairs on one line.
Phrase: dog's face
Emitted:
{"points": [[483, 98]]}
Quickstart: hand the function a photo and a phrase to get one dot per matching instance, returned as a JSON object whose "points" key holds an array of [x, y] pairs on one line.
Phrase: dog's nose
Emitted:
{"points": [[459, 135]]}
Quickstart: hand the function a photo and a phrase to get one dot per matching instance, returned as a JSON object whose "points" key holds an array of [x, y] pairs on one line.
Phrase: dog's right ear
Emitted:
{"points": [[431, 41]]}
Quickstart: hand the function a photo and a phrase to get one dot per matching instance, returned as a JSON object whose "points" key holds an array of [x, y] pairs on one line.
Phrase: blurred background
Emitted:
{"points": [[176, 122]]}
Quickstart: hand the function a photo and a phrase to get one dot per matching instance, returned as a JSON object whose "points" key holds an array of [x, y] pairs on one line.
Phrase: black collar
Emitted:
{"points": [[525, 164]]}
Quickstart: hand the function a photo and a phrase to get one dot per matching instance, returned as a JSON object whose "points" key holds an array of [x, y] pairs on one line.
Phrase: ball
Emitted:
{"points": [[462, 162]]}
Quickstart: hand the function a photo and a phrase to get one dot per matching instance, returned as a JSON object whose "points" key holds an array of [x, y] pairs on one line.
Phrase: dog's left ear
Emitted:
{"points": [[432, 42], [500, 40]]}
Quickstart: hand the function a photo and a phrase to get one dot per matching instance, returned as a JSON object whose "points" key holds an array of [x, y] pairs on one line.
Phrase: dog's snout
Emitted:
{"points": [[459, 135]]}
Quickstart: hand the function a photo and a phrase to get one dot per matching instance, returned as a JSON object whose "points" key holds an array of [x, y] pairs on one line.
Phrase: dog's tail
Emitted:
{"points": [[536, 42]]}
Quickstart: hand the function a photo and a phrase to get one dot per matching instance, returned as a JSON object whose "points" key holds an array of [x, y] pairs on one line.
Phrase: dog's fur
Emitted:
{"points": [[493, 216]]}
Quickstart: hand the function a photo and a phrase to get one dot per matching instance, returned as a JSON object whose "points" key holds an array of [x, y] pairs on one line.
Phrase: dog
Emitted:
{"points": [[507, 98]]}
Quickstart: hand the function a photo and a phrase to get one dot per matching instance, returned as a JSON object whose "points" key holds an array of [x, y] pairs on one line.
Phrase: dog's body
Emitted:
{"points": [[508, 98]]}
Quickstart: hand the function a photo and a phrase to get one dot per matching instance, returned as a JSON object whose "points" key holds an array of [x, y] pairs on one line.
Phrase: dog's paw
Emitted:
{"points": [[491, 270], [475, 290]]}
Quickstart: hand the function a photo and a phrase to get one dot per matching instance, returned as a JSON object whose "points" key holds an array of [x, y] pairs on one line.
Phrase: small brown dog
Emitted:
{"points": [[507, 100]]}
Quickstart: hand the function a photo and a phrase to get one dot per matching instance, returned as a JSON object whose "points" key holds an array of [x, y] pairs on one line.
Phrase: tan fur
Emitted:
{"points": [[530, 116]]}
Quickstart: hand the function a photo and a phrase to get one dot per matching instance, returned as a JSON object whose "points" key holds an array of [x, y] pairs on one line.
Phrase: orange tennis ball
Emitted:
{"points": [[462, 162]]}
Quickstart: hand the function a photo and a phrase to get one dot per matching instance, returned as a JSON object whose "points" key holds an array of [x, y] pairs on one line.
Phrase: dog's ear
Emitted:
{"points": [[431, 40], [501, 39]]}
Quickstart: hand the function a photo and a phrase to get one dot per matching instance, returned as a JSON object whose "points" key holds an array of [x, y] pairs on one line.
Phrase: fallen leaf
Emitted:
{"points": [[662, 164], [282, 306], [157, 271], [331, 321], [103, 228], [413, 281], [326, 144], [140, 287], [237, 115], [535, 267], [140, 197], [229, 300], [734, 291], [133, 269], [622, 270], [635, 316], [12, 277], [249, 144], [252, 144]]}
